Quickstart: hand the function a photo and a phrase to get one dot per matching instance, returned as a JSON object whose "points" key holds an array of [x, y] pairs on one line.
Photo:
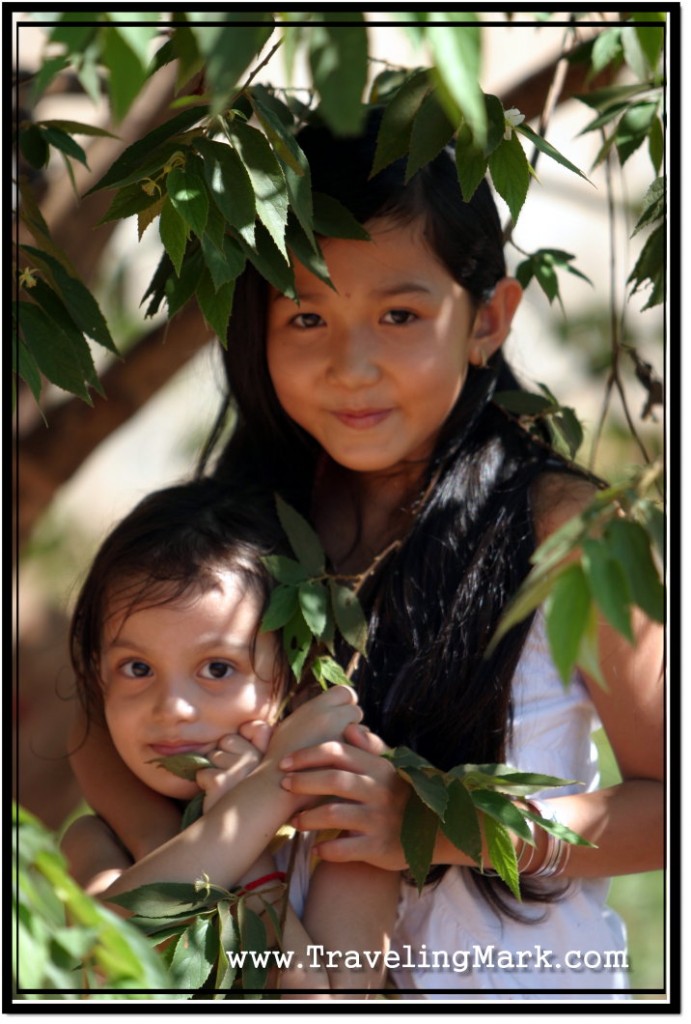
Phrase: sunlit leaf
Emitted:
{"points": [[188, 194], [510, 172], [338, 62], [418, 835], [629, 544], [431, 131], [502, 854], [349, 615], [566, 618], [229, 185], [302, 537], [268, 180], [393, 139], [461, 824], [174, 234]]}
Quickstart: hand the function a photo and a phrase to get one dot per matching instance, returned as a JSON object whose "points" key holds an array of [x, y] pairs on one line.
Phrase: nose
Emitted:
{"points": [[354, 358], [174, 702]]}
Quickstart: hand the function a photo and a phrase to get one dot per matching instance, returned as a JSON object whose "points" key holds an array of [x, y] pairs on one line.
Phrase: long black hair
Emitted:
{"points": [[172, 544], [436, 602]]}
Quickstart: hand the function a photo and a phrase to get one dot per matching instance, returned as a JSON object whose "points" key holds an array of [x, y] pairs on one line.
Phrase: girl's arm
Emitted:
{"points": [[141, 818], [625, 821], [225, 842]]}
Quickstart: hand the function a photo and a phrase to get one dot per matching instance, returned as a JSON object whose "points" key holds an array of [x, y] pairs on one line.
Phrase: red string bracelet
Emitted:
{"points": [[274, 876]]}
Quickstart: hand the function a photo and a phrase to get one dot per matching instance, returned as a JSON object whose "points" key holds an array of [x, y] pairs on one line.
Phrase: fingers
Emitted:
{"points": [[361, 737], [258, 734]]}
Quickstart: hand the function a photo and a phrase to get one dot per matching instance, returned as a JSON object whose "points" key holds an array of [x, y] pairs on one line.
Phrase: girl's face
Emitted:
{"points": [[373, 369], [177, 677]]}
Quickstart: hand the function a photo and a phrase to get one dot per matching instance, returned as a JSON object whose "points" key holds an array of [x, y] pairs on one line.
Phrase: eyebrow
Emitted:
{"points": [[215, 641], [398, 288]]}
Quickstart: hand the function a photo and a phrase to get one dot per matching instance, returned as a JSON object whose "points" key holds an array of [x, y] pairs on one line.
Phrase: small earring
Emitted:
{"points": [[480, 357]]}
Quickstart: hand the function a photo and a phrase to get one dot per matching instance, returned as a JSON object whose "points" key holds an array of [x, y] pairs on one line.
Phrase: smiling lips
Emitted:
{"points": [[171, 749], [362, 419]]}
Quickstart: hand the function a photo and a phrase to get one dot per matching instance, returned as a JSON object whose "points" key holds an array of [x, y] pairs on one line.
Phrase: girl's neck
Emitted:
{"points": [[358, 515]]}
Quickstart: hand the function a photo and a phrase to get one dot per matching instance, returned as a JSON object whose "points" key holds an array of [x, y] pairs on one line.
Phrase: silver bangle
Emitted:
{"points": [[557, 852]]}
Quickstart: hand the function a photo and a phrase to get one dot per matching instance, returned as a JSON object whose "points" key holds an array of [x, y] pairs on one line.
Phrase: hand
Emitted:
{"points": [[368, 798], [237, 756], [322, 718]]}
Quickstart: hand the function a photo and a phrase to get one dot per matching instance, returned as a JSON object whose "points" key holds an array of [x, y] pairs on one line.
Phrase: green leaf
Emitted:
{"points": [[608, 585], [34, 146], [302, 537], [282, 606], [64, 142], [185, 766], [314, 602], [277, 129], [651, 40], [297, 640], [127, 201], [566, 617], [606, 49], [505, 779], [556, 828], [650, 265], [252, 937], [216, 304], [457, 57], [432, 130], [461, 824], [418, 834], [656, 144], [309, 255], [332, 219], [127, 167], [179, 290], [548, 149], [188, 194], [532, 593], [430, 787], [52, 349], [393, 140], [523, 403], [195, 954], [269, 262], [502, 854], [630, 546], [338, 62], [268, 180], [28, 370], [168, 899], [81, 304], [503, 810], [349, 616], [60, 316], [228, 52], [193, 811], [471, 164], [567, 432], [634, 54], [653, 521], [127, 71], [229, 185], [285, 570], [633, 128], [174, 234], [496, 124], [327, 670], [510, 172], [224, 264]]}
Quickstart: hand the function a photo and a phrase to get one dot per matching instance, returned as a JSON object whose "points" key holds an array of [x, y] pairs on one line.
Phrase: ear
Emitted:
{"points": [[493, 320]]}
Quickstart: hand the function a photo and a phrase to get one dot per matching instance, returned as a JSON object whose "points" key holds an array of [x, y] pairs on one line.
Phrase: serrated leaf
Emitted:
{"points": [[332, 219], [168, 899], [224, 264], [127, 71], [503, 810], [185, 766], [496, 123], [179, 290], [269, 262], [393, 139], [430, 787], [609, 586], [524, 403], [282, 606], [297, 641], [314, 602], [174, 234], [52, 350], [78, 128], [187, 191], [556, 828], [64, 142], [195, 954], [338, 62], [432, 130], [128, 166], [28, 370], [81, 304], [629, 544], [548, 149], [229, 185], [194, 809], [566, 618], [127, 201], [510, 172], [309, 255], [502, 854], [302, 537], [461, 824], [284, 569], [418, 834], [457, 63], [268, 180], [505, 779], [471, 164], [215, 303], [228, 51], [349, 616], [252, 937], [328, 670]]}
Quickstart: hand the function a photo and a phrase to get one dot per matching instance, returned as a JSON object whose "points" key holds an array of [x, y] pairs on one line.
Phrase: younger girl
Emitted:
{"points": [[169, 657]]}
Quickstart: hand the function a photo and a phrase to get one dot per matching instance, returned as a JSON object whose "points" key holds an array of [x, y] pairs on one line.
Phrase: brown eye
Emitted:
{"points": [[399, 317]]}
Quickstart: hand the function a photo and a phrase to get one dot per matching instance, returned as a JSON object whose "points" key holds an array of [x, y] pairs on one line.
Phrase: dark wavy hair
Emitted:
{"points": [[436, 602], [172, 544]]}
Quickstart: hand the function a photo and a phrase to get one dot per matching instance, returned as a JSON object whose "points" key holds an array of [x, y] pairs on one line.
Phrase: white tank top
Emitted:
{"points": [[451, 938]]}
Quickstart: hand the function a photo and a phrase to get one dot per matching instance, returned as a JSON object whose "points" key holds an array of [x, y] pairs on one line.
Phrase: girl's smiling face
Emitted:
{"points": [[179, 676], [373, 369]]}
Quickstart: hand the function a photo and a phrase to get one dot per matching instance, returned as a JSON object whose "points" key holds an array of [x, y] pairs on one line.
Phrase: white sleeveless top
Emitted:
{"points": [[450, 938]]}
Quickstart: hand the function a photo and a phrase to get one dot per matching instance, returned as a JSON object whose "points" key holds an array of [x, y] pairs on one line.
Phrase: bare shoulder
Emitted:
{"points": [[556, 498]]}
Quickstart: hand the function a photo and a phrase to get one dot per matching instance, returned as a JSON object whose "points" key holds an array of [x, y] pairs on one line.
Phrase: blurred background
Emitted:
{"points": [[75, 483]]}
